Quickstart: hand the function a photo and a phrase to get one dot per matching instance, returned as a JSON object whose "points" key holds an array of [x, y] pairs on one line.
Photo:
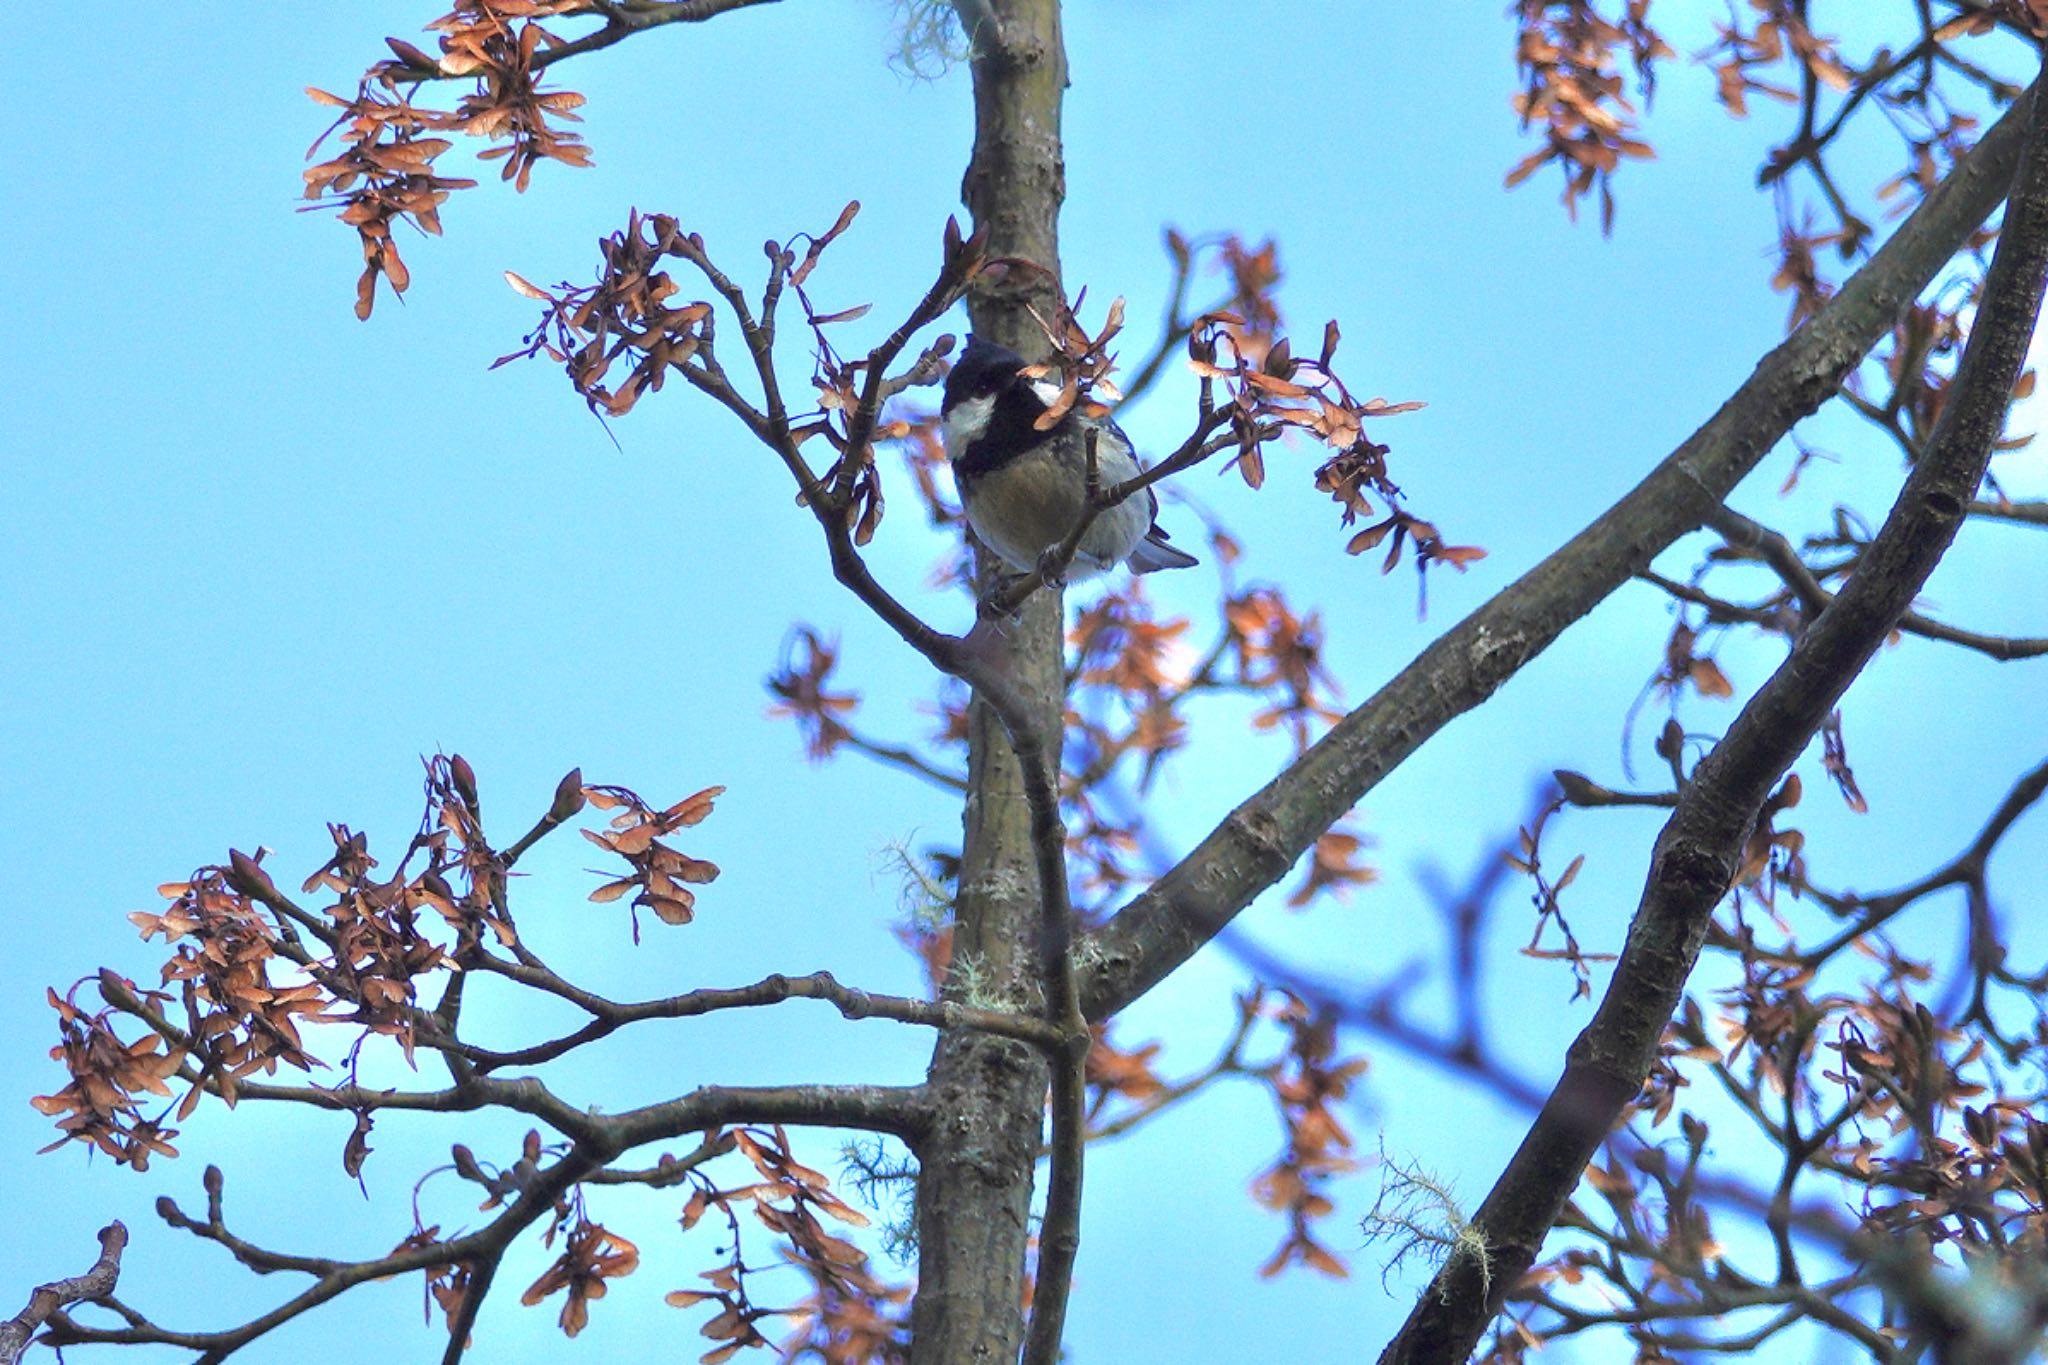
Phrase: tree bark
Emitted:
{"points": [[1696, 857], [988, 1093], [1256, 844]]}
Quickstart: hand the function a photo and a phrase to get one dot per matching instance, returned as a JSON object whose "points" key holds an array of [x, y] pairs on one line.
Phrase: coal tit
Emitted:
{"points": [[1023, 489]]}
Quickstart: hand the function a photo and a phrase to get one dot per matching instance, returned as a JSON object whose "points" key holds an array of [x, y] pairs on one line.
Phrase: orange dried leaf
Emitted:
{"points": [[1709, 680], [844, 315], [1526, 167], [1380, 407], [1369, 537], [1272, 384], [1057, 409], [1251, 467], [693, 808], [1317, 1258], [674, 909], [699, 1201]]}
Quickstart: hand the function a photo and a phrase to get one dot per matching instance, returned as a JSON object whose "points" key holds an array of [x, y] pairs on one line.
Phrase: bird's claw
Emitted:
{"points": [[1051, 571], [989, 607]]}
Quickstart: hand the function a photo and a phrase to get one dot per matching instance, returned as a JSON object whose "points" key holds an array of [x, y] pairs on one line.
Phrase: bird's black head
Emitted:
{"points": [[982, 369]]}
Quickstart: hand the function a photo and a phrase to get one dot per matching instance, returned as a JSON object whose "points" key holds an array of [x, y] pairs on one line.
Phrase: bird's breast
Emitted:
{"points": [[1019, 508]]}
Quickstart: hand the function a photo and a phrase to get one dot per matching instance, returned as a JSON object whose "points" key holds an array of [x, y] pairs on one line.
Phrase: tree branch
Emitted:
{"points": [[1697, 855], [334, 1277], [901, 1111], [1059, 1239], [974, 1188], [1259, 841], [624, 18], [1778, 553], [49, 1299], [1966, 866], [2025, 513], [851, 1001]]}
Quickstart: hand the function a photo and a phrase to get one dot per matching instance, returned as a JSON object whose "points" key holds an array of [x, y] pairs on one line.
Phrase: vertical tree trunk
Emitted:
{"points": [[974, 1186]]}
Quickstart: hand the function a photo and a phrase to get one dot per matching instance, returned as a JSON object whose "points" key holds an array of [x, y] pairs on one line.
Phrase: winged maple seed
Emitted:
{"points": [[99, 1106], [659, 872], [1267, 392], [447, 1283], [1567, 51], [1306, 1086], [844, 1314], [801, 693], [1334, 867], [386, 170], [1281, 653], [1113, 1072], [247, 981], [1270, 391], [591, 1255], [1682, 668], [625, 315]]}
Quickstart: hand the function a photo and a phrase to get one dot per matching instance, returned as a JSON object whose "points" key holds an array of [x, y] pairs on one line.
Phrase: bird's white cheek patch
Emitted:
{"points": [[1048, 392], [967, 421]]}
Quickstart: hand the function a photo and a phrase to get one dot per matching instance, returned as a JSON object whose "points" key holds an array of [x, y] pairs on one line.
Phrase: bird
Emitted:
{"points": [[1024, 490]]}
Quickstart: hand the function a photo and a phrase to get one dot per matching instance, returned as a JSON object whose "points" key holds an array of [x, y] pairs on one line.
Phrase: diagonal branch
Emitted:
{"points": [[1698, 853], [1259, 841]]}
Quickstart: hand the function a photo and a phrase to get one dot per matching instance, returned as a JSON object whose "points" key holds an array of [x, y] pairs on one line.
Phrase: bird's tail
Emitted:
{"points": [[1154, 553]]}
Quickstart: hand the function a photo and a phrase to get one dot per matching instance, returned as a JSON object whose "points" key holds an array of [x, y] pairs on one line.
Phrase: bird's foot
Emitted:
{"points": [[1051, 571], [990, 611], [1003, 600]]}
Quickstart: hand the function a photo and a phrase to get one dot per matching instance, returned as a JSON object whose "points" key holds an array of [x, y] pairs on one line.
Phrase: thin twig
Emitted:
{"points": [[1699, 850], [624, 18], [1060, 1232], [908, 760], [2026, 513], [1778, 553], [1967, 866]]}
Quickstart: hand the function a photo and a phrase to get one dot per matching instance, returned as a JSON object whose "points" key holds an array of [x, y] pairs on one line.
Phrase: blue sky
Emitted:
{"points": [[263, 557]]}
